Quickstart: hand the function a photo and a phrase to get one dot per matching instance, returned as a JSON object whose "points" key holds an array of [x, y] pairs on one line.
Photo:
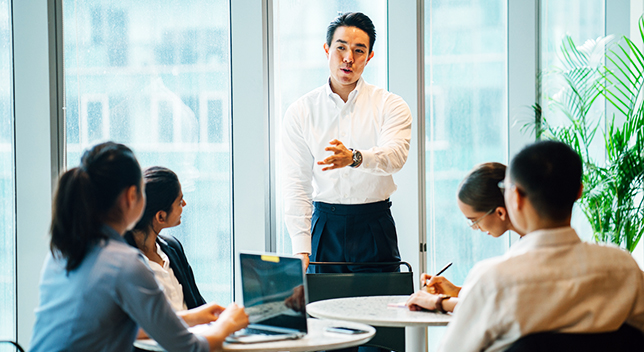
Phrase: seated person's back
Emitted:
{"points": [[549, 280]]}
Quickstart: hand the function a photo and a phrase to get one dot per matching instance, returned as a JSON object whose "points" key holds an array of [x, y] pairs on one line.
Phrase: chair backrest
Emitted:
{"points": [[15, 344], [332, 285], [338, 285], [625, 339]]}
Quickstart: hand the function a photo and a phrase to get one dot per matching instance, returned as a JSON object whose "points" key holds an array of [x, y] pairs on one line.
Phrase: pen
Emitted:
{"points": [[441, 271], [444, 268]]}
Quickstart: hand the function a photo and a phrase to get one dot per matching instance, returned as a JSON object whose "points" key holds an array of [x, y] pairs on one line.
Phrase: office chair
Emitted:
{"points": [[12, 343], [625, 339], [338, 285]]}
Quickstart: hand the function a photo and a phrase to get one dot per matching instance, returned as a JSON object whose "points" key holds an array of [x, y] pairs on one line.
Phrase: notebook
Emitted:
{"points": [[275, 296]]}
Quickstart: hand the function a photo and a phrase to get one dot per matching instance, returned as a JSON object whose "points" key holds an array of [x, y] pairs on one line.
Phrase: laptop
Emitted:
{"points": [[275, 297]]}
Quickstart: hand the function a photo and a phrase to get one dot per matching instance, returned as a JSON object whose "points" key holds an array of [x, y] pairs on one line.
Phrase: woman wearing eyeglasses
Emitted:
{"points": [[481, 201]]}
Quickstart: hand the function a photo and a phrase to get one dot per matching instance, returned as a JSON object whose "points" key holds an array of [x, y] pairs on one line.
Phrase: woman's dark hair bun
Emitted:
{"points": [[480, 190], [85, 199]]}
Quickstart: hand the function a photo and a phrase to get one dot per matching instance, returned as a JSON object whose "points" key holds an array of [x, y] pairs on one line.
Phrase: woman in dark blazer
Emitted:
{"points": [[165, 253]]}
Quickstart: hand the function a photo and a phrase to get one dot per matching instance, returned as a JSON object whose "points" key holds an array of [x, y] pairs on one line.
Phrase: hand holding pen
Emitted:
{"points": [[437, 284]]}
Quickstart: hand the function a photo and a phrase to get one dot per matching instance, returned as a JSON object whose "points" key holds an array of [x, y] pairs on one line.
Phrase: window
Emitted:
{"points": [[156, 77], [581, 20], [299, 32], [7, 181], [465, 122]]}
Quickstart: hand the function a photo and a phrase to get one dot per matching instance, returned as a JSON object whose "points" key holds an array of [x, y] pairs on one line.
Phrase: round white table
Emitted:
{"points": [[316, 339], [374, 310]]}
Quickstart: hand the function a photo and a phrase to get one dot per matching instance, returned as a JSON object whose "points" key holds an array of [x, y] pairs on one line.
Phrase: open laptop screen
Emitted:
{"points": [[274, 290]]}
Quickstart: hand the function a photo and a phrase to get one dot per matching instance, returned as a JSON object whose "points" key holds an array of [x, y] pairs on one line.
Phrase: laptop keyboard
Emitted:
{"points": [[261, 332]]}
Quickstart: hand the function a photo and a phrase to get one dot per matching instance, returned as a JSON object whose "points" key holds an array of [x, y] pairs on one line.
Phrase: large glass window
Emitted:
{"points": [[299, 32], [7, 181], [583, 21], [465, 121], [155, 75]]}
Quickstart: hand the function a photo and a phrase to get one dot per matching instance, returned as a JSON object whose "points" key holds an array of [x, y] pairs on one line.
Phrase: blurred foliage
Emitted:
{"points": [[614, 69]]}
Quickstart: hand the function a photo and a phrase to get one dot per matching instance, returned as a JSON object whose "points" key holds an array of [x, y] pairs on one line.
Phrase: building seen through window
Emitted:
{"points": [[156, 76], [466, 118]]}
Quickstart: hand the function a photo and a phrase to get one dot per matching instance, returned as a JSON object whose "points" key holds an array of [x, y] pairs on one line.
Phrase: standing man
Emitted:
{"points": [[341, 143]]}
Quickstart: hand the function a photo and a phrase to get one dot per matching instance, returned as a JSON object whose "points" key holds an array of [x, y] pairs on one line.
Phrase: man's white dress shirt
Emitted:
{"points": [[549, 281], [373, 121], [168, 281]]}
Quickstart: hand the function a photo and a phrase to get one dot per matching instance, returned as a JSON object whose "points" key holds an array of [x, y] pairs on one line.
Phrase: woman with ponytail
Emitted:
{"points": [[163, 209], [481, 201], [96, 289]]}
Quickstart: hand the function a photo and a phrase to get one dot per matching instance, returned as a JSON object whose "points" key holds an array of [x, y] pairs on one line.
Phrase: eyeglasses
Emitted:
{"points": [[502, 187], [476, 222]]}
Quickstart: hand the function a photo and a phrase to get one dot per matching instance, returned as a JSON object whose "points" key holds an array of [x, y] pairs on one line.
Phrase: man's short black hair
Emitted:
{"points": [[549, 173], [352, 19]]}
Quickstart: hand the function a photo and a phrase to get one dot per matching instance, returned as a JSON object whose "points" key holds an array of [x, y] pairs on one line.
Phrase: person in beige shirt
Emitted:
{"points": [[550, 280]]}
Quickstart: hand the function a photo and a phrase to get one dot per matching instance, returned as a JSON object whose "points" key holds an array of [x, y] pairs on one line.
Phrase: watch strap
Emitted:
{"points": [[357, 158], [439, 302]]}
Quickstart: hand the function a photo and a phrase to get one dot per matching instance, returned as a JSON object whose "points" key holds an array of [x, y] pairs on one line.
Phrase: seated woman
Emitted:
{"points": [[163, 208], [481, 201], [96, 289]]}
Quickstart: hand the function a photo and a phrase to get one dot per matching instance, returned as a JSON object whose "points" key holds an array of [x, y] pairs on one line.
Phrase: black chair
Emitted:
{"points": [[625, 339], [331, 285], [15, 344]]}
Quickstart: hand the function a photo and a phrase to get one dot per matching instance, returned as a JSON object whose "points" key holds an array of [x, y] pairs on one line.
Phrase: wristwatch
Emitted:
{"points": [[439, 302], [357, 158]]}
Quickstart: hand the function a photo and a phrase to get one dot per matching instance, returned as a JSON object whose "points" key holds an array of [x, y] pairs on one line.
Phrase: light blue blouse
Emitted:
{"points": [[97, 306]]}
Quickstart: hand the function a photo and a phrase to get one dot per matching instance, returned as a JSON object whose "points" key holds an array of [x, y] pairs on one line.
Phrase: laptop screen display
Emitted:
{"points": [[274, 291]]}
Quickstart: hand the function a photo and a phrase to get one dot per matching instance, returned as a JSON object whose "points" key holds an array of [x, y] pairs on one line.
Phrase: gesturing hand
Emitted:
{"points": [[341, 156]]}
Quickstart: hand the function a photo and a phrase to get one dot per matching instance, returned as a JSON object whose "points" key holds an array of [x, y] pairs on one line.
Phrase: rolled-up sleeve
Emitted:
{"points": [[390, 154], [140, 296], [297, 169]]}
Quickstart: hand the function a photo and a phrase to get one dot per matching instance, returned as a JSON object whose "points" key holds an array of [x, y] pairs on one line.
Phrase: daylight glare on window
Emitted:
{"points": [[155, 75]]}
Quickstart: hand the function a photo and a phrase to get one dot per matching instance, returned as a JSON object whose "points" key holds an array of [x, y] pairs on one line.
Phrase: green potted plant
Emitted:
{"points": [[612, 197]]}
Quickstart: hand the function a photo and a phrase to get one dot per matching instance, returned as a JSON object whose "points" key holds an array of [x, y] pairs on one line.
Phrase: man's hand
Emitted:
{"points": [[438, 285], [305, 259], [341, 156], [296, 301]]}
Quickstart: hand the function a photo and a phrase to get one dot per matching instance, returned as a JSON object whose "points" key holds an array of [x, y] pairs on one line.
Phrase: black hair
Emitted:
{"points": [[352, 19], [550, 175], [480, 188], [85, 199], [161, 190]]}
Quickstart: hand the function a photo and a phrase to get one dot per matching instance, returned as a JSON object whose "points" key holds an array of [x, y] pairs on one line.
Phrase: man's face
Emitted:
{"points": [[348, 55]]}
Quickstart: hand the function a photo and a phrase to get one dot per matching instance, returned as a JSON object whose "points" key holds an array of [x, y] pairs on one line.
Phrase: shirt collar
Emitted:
{"points": [[546, 238], [111, 233], [359, 85]]}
